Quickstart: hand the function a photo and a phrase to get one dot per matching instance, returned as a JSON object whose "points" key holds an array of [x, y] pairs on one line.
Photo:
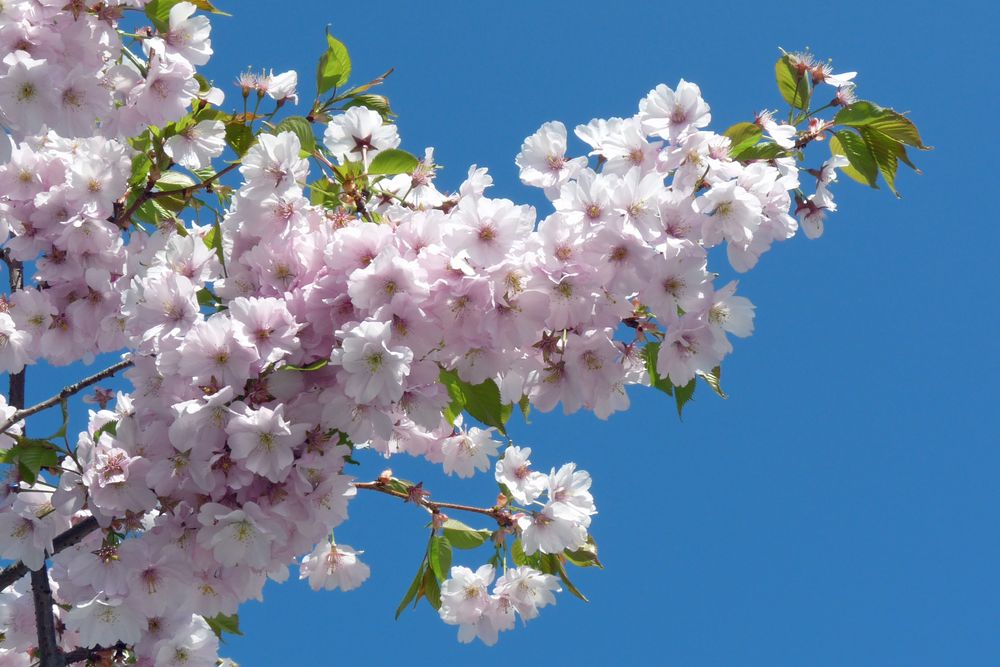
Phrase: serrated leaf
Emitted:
{"points": [[863, 167], [713, 378], [682, 395], [411, 592], [461, 536], [650, 354], [887, 121], [742, 136], [439, 556], [224, 623], [525, 405], [393, 161], [793, 85], [111, 428], [885, 156], [141, 164], [302, 128], [334, 68]]}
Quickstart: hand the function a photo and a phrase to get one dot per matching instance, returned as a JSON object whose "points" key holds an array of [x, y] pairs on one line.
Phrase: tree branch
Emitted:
{"points": [[65, 393], [191, 189], [83, 653], [74, 535], [50, 655], [499, 514]]}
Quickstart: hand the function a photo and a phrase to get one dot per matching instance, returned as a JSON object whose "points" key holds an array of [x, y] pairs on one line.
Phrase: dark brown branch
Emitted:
{"points": [[74, 535], [95, 654], [65, 393], [50, 655]]}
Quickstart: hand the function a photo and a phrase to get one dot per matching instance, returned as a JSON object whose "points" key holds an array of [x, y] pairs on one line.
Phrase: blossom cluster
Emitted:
{"points": [[269, 347]]}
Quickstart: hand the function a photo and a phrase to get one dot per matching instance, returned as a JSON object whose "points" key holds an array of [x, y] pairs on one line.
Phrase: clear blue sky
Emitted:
{"points": [[841, 508]]}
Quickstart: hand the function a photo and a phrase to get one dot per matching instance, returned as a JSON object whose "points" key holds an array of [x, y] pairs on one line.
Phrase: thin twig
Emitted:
{"points": [[501, 515], [191, 189], [65, 393]]}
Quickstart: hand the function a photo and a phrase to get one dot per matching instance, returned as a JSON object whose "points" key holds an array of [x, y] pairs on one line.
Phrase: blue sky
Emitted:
{"points": [[841, 507]]}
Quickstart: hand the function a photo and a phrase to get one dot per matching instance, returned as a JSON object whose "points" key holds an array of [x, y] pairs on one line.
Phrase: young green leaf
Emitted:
{"points": [[302, 129], [461, 536], [224, 623], [792, 84], [742, 136], [863, 167], [431, 590], [334, 66], [439, 556], [650, 353], [682, 395], [714, 378], [393, 161], [411, 592]]}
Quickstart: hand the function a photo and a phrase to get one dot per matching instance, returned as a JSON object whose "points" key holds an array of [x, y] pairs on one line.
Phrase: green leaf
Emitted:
{"points": [[313, 366], [224, 623], [766, 150], [207, 298], [857, 114], [334, 66], [158, 11], [713, 378], [152, 212], [863, 167], [141, 164], [379, 103], [462, 536], [517, 554], [31, 455], [585, 556], [431, 590], [324, 192], [682, 395], [240, 138], [650, 353], [439, 556], [793, 85], [561, 570], [111, 428], [411, 592], [887, 121], [393, 161], [525, 405], [742, 136], [174, 180], [883, 148], [481, 401], [302, 129]]}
